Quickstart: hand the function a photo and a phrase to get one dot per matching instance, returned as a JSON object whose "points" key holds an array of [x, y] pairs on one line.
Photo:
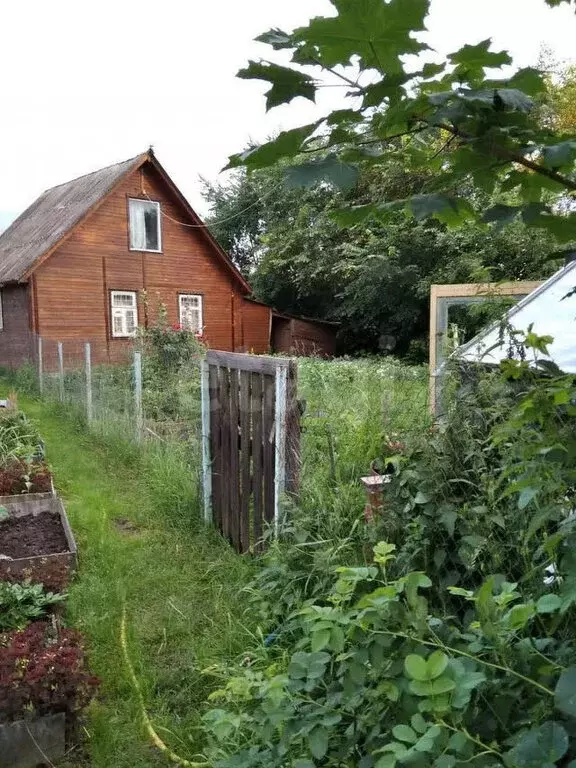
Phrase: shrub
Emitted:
{"points": [[420, 654], [43, 672], [22, 603], [171, 381]]}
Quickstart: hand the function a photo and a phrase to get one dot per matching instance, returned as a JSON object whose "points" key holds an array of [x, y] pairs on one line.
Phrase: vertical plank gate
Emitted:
{"points": [[251, 443]]}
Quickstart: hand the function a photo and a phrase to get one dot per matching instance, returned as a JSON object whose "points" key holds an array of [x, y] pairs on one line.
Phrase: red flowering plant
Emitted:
{"points": [[43, 671], [23, 476], [172, 356]]}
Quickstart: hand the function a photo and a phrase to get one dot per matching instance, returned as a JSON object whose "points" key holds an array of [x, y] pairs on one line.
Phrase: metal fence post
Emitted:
{"points": [[88, 360], [206, 469], [280, 453], [138, 394], [60, 372], [40, 367]]}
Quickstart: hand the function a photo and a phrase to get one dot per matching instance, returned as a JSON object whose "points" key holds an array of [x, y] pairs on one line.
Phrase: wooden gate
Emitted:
{"points": [[251, 443]]}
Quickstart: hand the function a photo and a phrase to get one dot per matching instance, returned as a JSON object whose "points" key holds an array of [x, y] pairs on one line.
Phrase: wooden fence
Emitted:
{"points": [[251, 443]]}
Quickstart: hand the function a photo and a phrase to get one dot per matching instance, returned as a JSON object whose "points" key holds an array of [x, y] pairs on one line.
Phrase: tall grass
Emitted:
{"points": [[351, 408]]}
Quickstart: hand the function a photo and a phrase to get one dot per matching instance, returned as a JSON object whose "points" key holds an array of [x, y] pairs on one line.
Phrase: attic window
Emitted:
{"points": [[124, 312], [145, 234]]}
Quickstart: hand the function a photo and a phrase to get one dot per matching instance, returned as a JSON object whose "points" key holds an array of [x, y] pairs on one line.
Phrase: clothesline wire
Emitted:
{"points": [[222, 220]]}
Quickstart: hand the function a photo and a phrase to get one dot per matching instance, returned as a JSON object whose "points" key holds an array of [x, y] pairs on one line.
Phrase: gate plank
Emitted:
{"points": [[293, 460], [257, 450], [243, 362], [234, 461], [245, 451], [224, 387], [269, 446], [215, 445]]}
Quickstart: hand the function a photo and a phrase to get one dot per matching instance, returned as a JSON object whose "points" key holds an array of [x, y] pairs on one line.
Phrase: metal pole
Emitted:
{"points": [[280, 452], [138, 394], [206, 469], [88, 359], [61, 371], [40, 367]]}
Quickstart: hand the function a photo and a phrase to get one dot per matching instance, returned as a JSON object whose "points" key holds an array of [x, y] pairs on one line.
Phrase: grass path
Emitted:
{"points": [[180, 586]]}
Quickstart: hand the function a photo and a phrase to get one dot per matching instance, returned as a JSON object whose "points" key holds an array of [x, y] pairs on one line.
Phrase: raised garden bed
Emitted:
{"points": [[36, 541]]}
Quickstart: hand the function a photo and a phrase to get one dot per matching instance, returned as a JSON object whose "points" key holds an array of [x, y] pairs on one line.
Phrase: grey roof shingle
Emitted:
{"points": [[52, 215]]}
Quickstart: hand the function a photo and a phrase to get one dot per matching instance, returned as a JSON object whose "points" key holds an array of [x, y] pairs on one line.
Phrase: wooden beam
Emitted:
{"points": [[464, 291], [243, 362], [461, 290]]}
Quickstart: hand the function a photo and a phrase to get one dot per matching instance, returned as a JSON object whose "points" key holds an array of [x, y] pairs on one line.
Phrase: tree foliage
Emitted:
{"points": [[373, 278], [559, 99], [451, 118]]}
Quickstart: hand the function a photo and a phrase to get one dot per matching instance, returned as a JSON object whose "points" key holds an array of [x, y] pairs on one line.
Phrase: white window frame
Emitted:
{"points": [[1, 312], [200, 311], [122, 312], [159, 218]]}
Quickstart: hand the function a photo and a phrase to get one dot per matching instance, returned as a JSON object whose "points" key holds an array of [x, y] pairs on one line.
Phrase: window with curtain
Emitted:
{"points": [[124, 313], [145, 229], [190, 306]]}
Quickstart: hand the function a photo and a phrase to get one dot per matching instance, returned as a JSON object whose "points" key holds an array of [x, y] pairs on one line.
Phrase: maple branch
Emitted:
{"points": [[381, 140], [338, 74], [514, 157]]}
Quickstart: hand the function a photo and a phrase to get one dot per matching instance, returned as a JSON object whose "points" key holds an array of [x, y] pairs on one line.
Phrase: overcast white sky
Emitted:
{"points": [[86, 84]]}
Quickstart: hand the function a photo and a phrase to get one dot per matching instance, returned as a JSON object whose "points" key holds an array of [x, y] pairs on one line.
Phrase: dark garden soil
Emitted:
{"points": [[32, 535]]}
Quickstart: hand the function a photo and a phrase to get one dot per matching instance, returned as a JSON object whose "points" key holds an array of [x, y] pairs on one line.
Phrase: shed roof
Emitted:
{"points": [[52, 215], [550, 309]]}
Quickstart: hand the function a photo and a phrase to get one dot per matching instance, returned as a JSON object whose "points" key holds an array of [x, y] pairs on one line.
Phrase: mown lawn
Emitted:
{"points": [[178, 582]]}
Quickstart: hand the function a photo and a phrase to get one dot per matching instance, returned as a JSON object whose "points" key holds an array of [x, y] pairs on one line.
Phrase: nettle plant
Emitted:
{"points": [[454, 665], [376, 679]]}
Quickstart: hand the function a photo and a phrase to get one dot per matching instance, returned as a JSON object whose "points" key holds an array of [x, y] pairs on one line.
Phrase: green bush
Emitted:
{"points": [[450, 641]]}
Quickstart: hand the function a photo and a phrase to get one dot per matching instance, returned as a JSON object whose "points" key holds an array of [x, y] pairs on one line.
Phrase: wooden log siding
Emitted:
{"points": [[242, 443]]}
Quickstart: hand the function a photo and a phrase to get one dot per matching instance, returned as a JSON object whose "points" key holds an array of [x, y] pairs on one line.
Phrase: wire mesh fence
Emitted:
{"points": [[104, 394], [132, 395], [147, 393]]}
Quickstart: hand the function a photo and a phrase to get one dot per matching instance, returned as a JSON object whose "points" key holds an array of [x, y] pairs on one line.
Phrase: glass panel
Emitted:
{"points": [[190, 319], [123, 299], [130, 321], [137, 226], [117, 324], [151, 226]]}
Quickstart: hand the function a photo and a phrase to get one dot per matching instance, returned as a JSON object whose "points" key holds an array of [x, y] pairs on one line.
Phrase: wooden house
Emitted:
{"points": [[94, 258]]}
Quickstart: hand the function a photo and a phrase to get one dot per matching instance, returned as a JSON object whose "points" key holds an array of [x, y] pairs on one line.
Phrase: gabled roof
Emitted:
{"points": [[56, 213], [550, 309]]}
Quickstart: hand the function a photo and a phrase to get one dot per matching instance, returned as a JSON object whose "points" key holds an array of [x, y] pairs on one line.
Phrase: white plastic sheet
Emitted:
{"points": [[551, 312]]}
